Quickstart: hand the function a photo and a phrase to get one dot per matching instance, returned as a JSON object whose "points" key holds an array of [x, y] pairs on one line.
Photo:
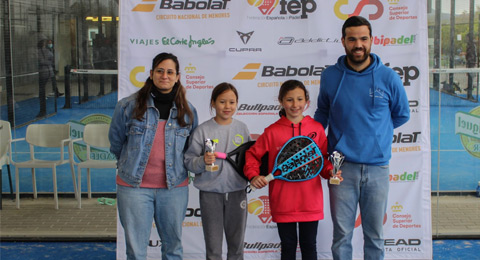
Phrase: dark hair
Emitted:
{"points": [[180, 97], [219, 89], [356, 21], [288, 86]]}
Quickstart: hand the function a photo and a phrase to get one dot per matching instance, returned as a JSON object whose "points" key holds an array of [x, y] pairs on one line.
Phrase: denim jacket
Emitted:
{"points": [[131, 141]]}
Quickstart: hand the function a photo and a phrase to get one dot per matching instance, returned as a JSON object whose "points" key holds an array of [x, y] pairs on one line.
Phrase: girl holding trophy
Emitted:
{"points": [[292, 204], [223, 198]]}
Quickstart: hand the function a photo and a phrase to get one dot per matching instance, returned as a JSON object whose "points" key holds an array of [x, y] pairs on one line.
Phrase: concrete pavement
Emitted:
{"points": [[454, 217]]}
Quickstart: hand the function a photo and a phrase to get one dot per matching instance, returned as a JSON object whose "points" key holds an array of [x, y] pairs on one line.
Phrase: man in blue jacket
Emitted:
{"points": [[361, 101]]}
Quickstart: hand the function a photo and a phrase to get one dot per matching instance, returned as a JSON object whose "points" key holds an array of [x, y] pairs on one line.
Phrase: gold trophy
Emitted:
{"points": [[337, 160], [210, 147]]}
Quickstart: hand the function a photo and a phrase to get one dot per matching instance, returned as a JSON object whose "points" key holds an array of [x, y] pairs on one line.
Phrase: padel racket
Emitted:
{"points": [[237, 159], [300, 159]]}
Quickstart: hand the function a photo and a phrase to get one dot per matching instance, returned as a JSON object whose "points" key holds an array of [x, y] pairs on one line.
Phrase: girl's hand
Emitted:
{"points": [[259, 182], [338, 175], [209, 158]]}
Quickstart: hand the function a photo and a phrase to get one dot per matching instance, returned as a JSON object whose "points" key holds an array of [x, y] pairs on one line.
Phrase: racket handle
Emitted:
{"points": [[220, 155], [251, 188]]}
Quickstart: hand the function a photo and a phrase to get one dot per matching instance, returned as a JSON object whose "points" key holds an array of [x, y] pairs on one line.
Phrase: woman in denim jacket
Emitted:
{"points": [[148, 134]]}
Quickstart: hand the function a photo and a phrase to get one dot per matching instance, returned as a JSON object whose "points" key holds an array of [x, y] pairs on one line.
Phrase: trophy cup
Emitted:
{"points": [[210, 147], [337, 159]]}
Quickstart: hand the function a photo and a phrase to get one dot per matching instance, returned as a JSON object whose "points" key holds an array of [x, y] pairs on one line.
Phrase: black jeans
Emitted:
{"points": [[307, 237]]}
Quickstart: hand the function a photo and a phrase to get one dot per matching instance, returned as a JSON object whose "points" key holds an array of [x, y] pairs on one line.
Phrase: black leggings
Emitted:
{"points": [[308, 239]]}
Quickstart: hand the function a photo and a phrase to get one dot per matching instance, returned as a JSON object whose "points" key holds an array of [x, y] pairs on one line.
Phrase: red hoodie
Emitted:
{"points": [[290, 201]]}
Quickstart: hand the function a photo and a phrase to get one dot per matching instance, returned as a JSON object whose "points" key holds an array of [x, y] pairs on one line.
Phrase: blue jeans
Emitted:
{"points": [[366, 186], [137, 207]]}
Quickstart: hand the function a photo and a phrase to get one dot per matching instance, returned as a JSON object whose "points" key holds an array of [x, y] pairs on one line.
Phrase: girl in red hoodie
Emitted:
{"points": [[292, 203]]}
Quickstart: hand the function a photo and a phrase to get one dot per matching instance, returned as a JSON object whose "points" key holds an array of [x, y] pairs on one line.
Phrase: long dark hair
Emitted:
{"points": [[287, 86], [180, 97]]}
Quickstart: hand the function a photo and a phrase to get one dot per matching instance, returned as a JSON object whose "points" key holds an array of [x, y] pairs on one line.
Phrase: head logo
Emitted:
{"points": [[248, 75], [245, 37], [260, 207], [265, 6], [358, 9]]}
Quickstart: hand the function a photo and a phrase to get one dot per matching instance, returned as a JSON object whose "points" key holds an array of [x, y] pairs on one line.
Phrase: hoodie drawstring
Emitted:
{"points": [[299, 129]]}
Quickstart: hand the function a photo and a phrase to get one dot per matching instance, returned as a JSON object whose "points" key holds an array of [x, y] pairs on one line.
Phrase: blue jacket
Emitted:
{"points": [[131, 141], [361, 110]]}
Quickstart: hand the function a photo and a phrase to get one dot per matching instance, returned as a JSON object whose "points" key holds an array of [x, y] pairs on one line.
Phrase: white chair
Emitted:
{"points": [[5, 138], [94, 136], [49, 136]]}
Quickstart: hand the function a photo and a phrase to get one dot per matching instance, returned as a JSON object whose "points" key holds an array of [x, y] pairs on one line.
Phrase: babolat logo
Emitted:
{"points": [[250, 71], [194, 5], [402, 40], [181, 5], [260, 245], [405, 138]]}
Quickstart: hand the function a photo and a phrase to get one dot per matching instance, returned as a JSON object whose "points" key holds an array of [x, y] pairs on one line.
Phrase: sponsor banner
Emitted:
{"points": [[257, 45]]}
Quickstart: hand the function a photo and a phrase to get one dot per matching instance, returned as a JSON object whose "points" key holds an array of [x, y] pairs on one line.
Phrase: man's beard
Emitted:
{"points": [[353, 59]]}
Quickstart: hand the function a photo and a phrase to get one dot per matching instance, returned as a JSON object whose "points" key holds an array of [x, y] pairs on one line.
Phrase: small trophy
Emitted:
{"points": [[210, 147], [337, 159]]}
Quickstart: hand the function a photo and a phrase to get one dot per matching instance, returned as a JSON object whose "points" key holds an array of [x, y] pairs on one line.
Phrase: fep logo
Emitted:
{"points": [[260, 207], [287, 7], [339, 4], [181, 5]]}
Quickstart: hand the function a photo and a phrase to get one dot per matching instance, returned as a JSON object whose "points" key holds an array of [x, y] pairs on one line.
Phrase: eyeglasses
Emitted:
{"points": [[170, 73]]}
